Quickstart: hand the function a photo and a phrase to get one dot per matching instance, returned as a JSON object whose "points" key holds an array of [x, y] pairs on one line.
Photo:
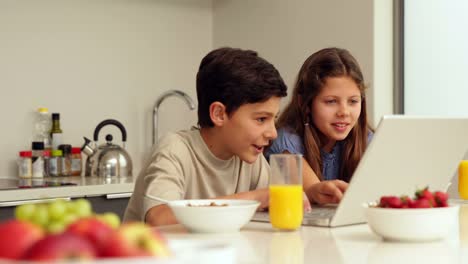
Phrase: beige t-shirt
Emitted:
{"points": [[182, 167]]}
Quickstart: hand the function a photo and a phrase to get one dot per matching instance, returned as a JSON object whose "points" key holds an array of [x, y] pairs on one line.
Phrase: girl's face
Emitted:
{"points": [[336, 109]]}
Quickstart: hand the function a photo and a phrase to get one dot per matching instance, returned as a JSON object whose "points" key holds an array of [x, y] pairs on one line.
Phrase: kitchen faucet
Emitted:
{"points": [[161, 98]]}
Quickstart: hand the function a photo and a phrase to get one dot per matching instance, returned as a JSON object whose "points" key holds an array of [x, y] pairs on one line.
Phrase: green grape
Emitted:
{"points": [[25, 211], [40, 215], [56, 227], [82, 208], [112, 219], [69, 218], [57, 210]]}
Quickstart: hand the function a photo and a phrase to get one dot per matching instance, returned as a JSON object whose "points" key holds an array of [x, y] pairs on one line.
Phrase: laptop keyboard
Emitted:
{"points": [[316, 213], [321, 212]]}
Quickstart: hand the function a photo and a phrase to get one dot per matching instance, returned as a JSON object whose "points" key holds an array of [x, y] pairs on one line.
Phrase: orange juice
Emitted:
{"points": [[463, 179], [286, 209]]}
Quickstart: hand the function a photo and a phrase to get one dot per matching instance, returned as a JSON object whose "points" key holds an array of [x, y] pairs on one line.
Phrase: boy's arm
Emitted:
{"points": [[261, 195], [160, 215], [164, 179]]}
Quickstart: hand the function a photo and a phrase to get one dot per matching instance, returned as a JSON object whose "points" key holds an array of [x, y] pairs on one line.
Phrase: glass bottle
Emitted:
{"points": [[56, 131], [463, 179], [42, 127]]}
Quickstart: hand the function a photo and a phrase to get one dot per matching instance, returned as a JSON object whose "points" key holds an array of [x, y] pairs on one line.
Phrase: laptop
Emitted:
{"points": [[405, 154]]}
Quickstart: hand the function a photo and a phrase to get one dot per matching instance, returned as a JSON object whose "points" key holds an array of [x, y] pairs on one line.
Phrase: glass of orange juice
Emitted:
{"points": [[463, 179], [286, 208]]}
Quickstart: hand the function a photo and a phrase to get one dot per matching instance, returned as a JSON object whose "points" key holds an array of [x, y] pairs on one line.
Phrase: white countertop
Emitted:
{"points": [[86, 187], [260, 243]]}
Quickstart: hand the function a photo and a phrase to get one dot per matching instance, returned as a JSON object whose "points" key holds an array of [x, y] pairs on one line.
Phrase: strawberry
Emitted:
{"points": [[421, 203], [406, 201], [384, 202], [394, 202], [441, 199], [388, 201], [412, 203], [425, 193]]}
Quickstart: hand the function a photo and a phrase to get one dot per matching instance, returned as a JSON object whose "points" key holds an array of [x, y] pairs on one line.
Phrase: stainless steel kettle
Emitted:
{"points": [[107, 160]]}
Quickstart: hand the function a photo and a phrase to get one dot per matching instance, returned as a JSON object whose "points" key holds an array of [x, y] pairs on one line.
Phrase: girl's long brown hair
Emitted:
{"points": [[326, 63]]}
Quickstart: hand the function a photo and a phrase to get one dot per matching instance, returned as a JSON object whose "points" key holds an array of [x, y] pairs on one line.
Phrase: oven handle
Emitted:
{"points": [[118, 195], [21, 202]]}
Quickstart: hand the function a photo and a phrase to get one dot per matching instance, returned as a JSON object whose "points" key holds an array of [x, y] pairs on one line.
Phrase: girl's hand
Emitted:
{"points": [[327, 191]]}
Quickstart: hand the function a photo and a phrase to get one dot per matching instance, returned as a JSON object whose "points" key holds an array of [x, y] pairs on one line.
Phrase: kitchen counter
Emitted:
{"points": [[85, 187], [260, 243]]}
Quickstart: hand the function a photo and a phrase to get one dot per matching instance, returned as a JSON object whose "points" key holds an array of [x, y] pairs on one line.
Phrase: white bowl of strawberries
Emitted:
{"points": [[425, 217]]}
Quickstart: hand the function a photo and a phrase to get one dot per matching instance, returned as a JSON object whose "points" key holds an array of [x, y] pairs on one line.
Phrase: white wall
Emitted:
{"points": [[382, 70], [436, 61], [98, 59], [436, 57], [287, 32], [93, 60]]}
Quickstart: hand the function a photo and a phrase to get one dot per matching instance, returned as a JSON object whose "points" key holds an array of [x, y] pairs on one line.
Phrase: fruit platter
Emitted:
{"points": [[69, 231]]}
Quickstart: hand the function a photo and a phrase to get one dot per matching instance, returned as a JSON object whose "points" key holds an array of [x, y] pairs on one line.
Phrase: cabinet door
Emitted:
{"points": [[7, 209], [116, 203]]}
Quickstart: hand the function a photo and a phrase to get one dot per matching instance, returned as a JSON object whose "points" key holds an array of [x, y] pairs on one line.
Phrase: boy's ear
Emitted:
{"points": [[218, 113]]}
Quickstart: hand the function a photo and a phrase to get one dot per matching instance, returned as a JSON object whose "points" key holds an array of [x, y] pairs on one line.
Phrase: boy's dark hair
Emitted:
{"points": [[235, 77]]}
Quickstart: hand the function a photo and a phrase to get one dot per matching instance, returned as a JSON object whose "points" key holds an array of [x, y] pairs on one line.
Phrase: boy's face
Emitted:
{"points": [[249, 129], [336, 109]]}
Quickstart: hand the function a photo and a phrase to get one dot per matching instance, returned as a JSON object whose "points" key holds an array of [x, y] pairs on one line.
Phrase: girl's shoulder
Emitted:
{"points": [[370, 135], [287, 140], [287, 135], [287, 132]]}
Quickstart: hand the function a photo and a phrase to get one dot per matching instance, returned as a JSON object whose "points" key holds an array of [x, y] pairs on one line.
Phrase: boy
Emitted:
{"points": [[238, 98]]}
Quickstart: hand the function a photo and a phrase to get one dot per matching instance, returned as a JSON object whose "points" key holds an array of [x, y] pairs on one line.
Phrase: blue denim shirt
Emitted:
{"points": [[292, 143]]}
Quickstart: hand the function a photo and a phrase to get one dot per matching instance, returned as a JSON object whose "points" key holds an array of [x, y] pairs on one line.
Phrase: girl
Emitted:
{"points": [[326, 122]]}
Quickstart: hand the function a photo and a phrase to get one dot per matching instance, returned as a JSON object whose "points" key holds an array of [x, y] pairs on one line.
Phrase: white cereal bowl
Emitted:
{"points": [[198, 216], [412, 225]]}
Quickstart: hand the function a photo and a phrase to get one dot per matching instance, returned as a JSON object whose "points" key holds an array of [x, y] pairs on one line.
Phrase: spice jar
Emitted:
{"points": [[46, 155], [55, 163], [25, 164], [76, 162], [66, 159]]}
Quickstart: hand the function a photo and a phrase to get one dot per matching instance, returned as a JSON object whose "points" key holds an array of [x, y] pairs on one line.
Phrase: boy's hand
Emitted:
{"points": [[327, 191], [305, 201], [263, 196]]}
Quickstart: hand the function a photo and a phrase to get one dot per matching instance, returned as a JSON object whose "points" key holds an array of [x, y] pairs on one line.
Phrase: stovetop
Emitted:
{"points": [[12, 184]]}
